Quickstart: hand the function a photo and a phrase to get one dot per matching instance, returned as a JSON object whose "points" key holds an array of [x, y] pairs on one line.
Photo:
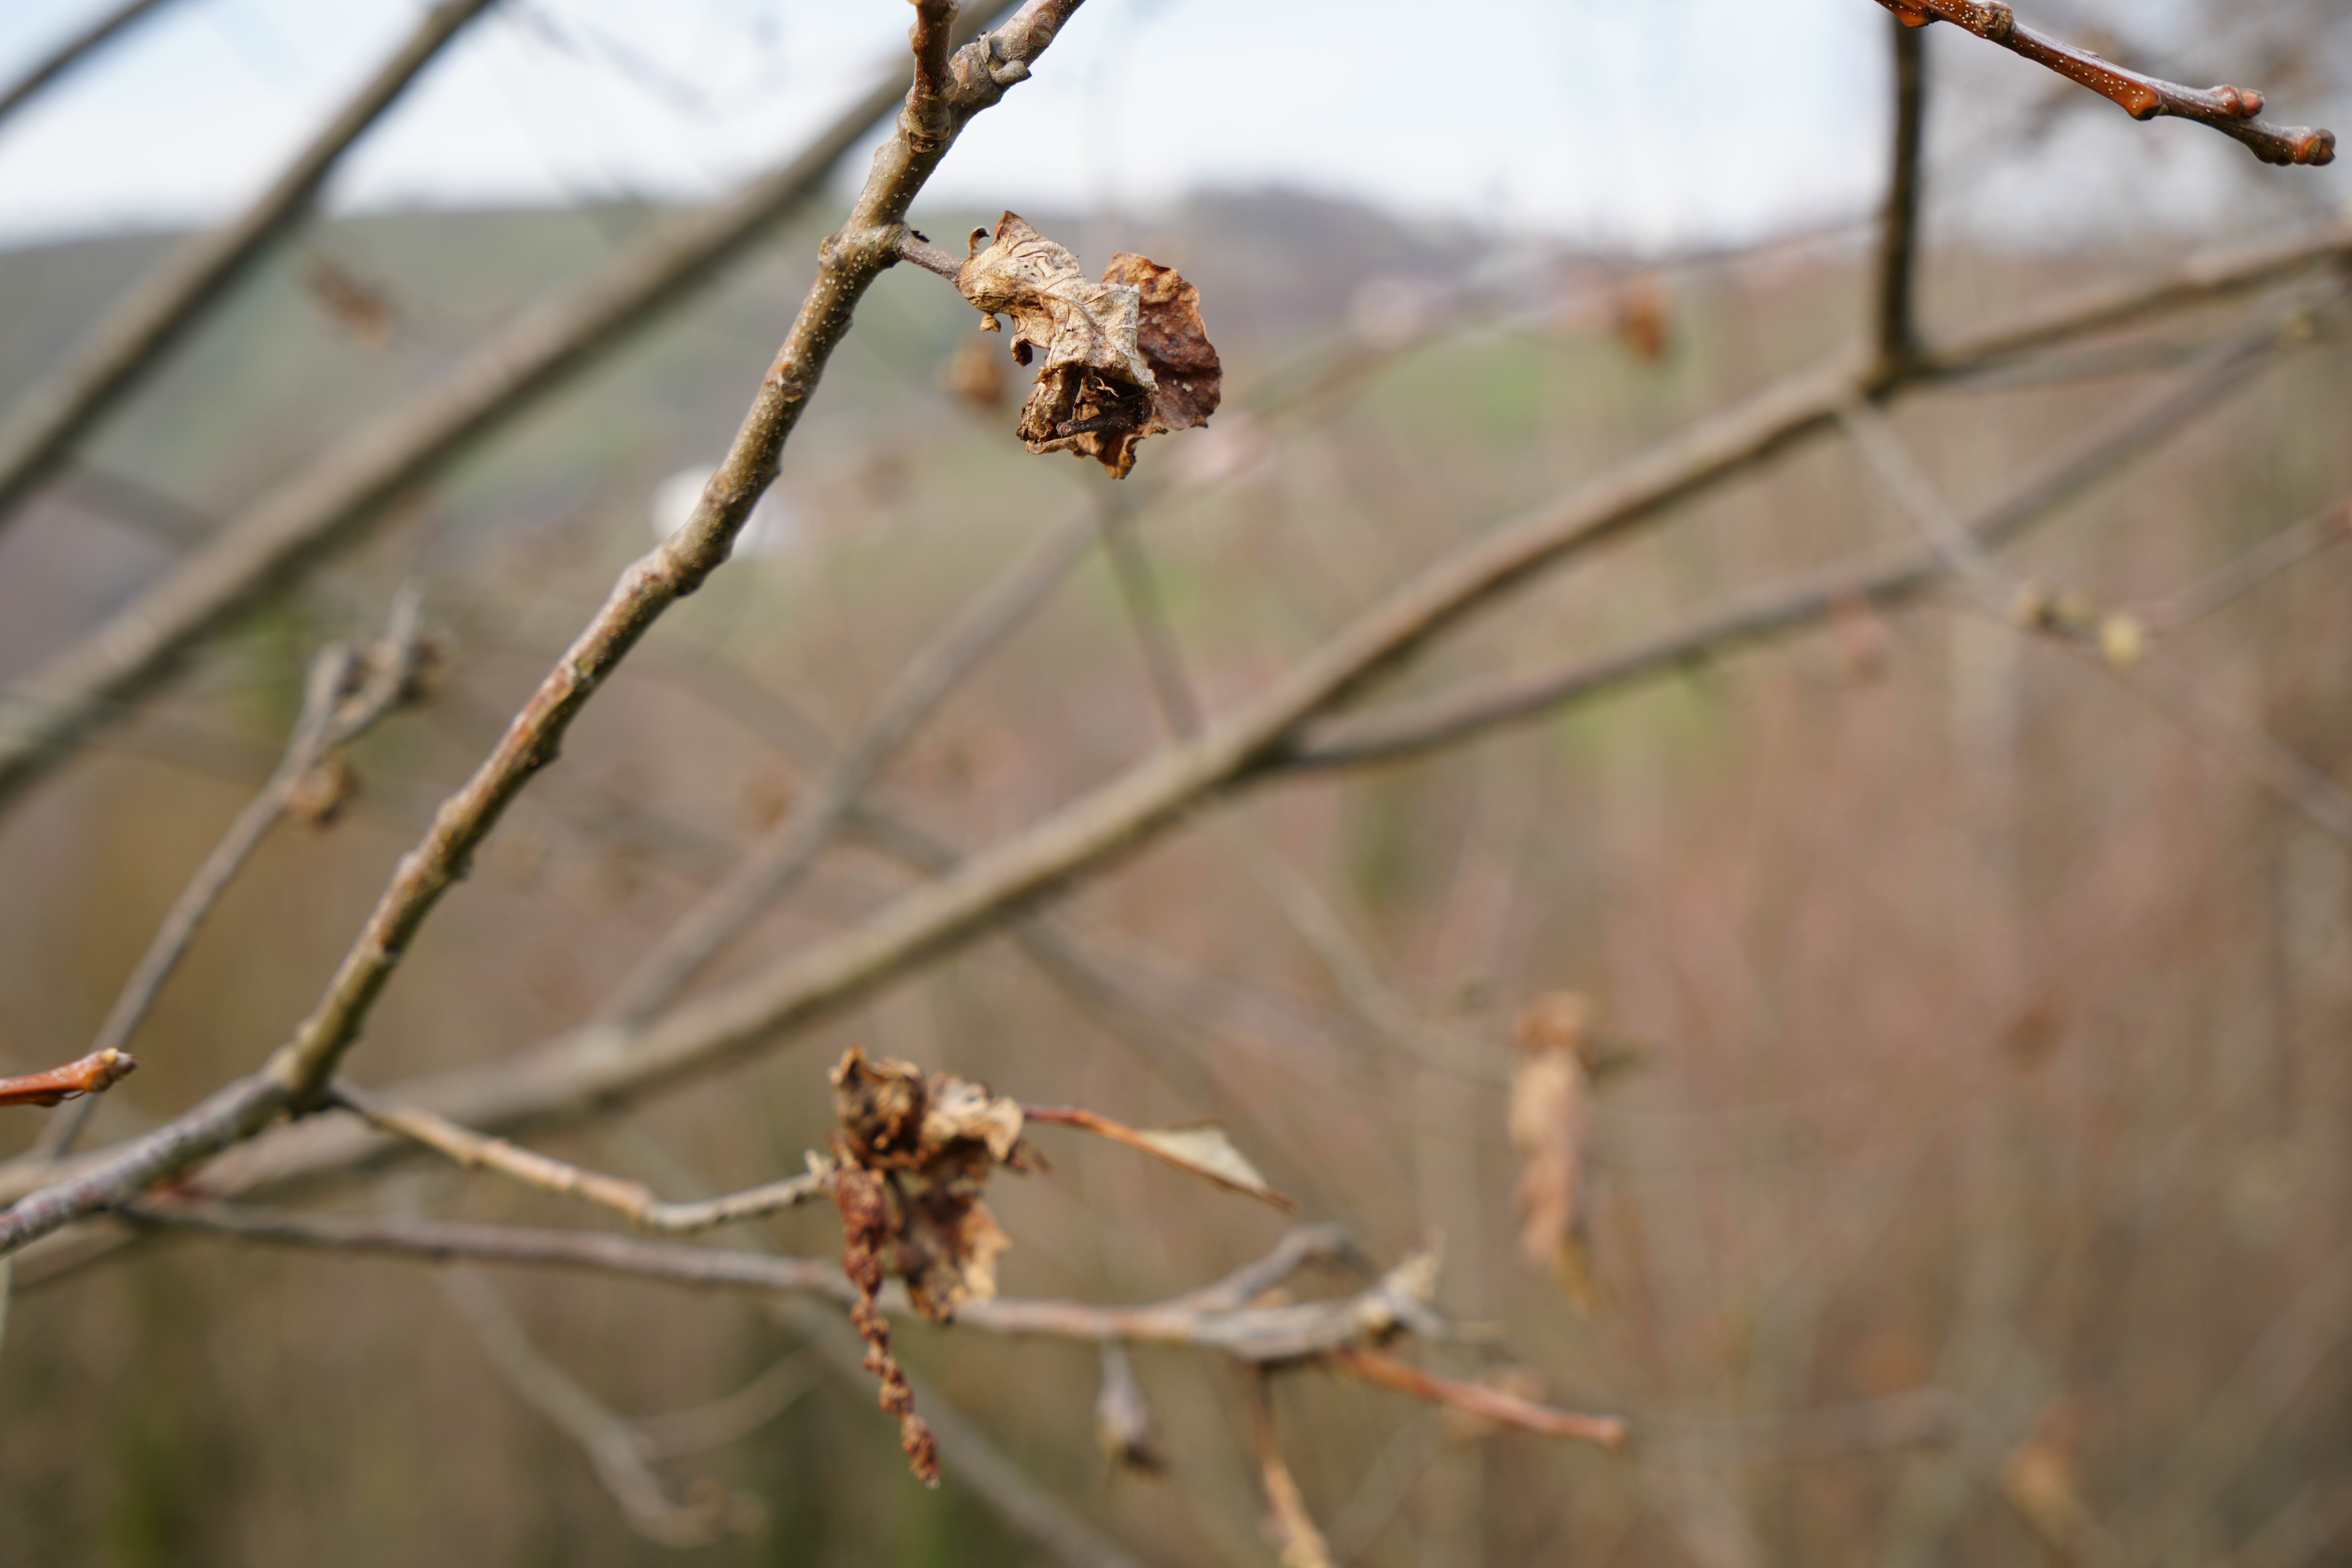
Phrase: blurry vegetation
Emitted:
{"points": [[1992, 1030]]}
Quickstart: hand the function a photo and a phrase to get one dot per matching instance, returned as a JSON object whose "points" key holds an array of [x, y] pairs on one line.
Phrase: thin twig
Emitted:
{"points": [[1147, 616], [1301, 1543], [2228, 109], [614, 1447], [298, 1072], [634, 1200], [346, 694], [73, 52], [2297, 782], [971, 1456], [793, 846], [729, 1418], [335, 497], [1209, 1319], [1898, 243], [1410, 728], [2288, 548], [92, 1074], [1269, 736], [127, 346], [1489, 1404]]}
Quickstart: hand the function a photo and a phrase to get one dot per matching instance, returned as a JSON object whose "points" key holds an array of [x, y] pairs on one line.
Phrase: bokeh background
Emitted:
{"points": [[1979, 1192]]}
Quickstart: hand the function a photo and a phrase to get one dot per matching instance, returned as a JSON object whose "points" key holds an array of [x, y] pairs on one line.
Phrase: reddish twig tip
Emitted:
{"points": [[93, 1074]]}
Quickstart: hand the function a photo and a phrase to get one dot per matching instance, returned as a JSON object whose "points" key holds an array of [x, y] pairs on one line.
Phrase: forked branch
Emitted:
{"points": [[297, 1076], [2231, 111]]}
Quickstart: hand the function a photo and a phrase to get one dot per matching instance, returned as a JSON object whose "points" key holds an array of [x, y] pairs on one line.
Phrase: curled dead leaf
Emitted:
{"points": [[976, 375], [1123, 1416], [912, 1152], [1125, 358], [1200, 1149], [1546, 1119], [363, 310]]}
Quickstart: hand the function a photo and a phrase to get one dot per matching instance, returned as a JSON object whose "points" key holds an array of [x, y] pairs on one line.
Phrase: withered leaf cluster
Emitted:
{"points": [[913, 1152], [1125, 358], [1549, 1088]]}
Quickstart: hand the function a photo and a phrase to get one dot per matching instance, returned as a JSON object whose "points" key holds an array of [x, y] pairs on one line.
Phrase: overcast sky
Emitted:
{"points": [[1648, 124]]}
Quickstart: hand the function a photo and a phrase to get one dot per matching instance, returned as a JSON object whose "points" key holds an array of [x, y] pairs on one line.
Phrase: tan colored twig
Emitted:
{"points": [[74, 51], [298, 1074], [2288, 548], [1217, 1317], [971, 1458], [1492, 1404], [2228, 109], [93, 1074], [337, 496], [346, 694], [616, 1449], [1295, 1536], [792, 847], [135, 336], [1274, 733], [1474, 707], [1894, 312], [2300, 785], [633, 1200], [730, 1418]]}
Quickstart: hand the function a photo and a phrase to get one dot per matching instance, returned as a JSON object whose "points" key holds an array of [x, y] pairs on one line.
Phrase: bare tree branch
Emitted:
{"points": [[972, 1457], [2309, 790], [571, 1074], [136, 335], [93, 1074], [1410, 728], [1301, 1543], [634, 1200], [298, 1074], [617, 1449], [1494, 1405], [345, 489], [1898, 241], [1209, 1319], [73, 52], [2288, 548], [793, 846], [347, 692], [2228, 109]]}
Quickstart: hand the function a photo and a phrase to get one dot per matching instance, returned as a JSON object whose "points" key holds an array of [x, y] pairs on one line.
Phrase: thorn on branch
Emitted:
{"points": [[93, 1074], [2228, 109]]}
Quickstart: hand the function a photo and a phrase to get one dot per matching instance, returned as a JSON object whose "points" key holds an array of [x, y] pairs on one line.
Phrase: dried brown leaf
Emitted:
{"points": [[1123, 1423], [1188, 381], [914, 1150], [362, 309], [975, 374], [1546, 1119], [1201, 1149], [947, 1250], [1107, 345]]}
